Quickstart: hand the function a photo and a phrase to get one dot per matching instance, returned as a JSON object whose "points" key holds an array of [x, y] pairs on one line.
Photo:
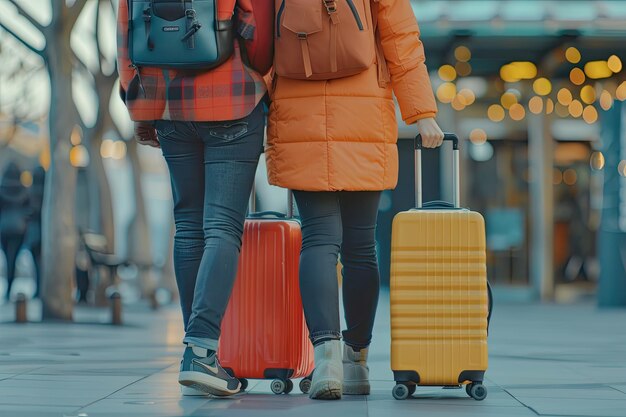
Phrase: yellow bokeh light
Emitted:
{"points": [[564, 96], [106, 148], [596, 161], [508, 99], [577, 76], [462, 54], [26, 178], [549, 106], [446, 92], [495, 113], [44, 158], [542, 86], [588, 94], [575, 108], [517, 112], [458, 103], [621, 168], [614, 63], [572, 55], [598, 69], [478, 136], [77, 136], [468, 95], [447, 73], [570, 176], [463, 69], [119, 150], [515, 71], [557, 176], [590, 115], [606, 100], [620, 93], [79, 156], [535, 105]]}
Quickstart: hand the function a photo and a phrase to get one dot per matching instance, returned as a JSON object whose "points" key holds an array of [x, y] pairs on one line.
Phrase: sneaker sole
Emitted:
{"points": [[326, 390], [206, 383], [356, 388]]}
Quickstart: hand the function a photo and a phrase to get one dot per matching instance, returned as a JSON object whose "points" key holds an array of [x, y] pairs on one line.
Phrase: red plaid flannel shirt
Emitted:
{"points": [[229, 92]]}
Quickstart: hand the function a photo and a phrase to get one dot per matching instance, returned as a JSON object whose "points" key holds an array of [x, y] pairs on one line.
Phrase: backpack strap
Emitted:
{"points": [[384, 77], [331, 8], [147, 18]]}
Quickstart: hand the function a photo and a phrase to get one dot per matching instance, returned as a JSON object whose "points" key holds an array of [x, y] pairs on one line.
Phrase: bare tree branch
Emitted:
{"points": [[27, 15], [75, 10], [40, 52]]}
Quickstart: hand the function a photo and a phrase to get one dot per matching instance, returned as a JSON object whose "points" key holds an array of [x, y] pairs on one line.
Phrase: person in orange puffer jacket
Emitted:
{"points": [[334, 143]]}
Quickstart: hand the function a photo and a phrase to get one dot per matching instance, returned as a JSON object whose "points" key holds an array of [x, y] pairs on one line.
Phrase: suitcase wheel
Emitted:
{"points": [[244, 384], [401, 392], [476, 390], [305, 385], [279, 386]]}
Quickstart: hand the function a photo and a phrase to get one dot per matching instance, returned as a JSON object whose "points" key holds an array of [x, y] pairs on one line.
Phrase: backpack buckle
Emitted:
{"points": [[331, 6], [302, 35]]}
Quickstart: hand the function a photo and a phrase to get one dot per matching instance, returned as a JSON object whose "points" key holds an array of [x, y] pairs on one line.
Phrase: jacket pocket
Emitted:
{"points": [[294, 16]]}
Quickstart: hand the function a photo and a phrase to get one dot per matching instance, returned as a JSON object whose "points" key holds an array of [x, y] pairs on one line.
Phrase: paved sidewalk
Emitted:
{"points": [[545, 360]]}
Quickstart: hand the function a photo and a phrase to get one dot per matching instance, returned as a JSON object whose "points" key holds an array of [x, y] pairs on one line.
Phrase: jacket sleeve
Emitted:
{"points": [[404, 52]]}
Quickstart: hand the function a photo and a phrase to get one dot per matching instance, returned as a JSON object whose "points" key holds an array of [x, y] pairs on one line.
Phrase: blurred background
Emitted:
{"points": [[535, 89]]}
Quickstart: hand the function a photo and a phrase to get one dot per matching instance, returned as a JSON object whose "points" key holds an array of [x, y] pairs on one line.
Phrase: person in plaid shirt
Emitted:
{"points": [[210, 126]]}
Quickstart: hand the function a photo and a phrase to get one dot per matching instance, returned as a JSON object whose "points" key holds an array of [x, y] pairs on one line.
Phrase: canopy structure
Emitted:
{"points": [[498, 32]]}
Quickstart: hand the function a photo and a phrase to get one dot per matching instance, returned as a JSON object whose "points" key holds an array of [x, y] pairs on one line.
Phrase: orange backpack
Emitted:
{"points": [[325, 39]]}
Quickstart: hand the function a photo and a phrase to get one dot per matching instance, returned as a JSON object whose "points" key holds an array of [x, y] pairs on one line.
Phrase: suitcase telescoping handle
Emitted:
{"points": [[253, 213], [455, 169]]}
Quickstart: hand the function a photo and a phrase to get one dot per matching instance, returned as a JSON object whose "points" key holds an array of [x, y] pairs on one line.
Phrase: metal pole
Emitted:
{"points": [[456, 172], [418, 178]]}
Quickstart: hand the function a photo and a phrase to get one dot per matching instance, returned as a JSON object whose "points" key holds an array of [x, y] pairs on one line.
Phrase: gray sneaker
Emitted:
{"points": [[201, 371], [355, 372], [328, 374]]}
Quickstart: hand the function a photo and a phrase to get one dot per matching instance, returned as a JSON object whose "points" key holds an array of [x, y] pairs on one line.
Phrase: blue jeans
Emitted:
{"points": [[212, 167], [333, 223]]}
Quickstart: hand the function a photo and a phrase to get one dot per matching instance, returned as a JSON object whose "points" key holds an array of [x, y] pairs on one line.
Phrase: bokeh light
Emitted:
{"points": [[621, 168], [446, 92], [463, 69], [26, 178], [590, 114], [478, 136], [598, 69], [572, 55], [620, 93], [564, 96], [570, 176], [517, 112], [577, 76], [542, 86], [447, 73], [496, 113], [588, 94], [606, 100], [575, 108], [535, 105], [462, 53], [597, 161], [557, 176], [549, 106], [508, 99], [614, 63]]}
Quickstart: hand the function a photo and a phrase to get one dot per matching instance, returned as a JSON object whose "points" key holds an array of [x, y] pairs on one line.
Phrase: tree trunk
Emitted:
{"points": [[139, 247], [59, 228]]}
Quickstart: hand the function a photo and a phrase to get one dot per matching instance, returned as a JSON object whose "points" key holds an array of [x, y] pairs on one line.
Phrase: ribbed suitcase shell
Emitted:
{"points": [[439, 298], [264, 334]]}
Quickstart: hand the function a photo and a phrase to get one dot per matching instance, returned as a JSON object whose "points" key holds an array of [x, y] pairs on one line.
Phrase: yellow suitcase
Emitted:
{"points": [[440, 299]]}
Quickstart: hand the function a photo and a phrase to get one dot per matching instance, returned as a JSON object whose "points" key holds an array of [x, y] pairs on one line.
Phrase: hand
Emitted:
{"points": [[432, 136], [145, 134]]}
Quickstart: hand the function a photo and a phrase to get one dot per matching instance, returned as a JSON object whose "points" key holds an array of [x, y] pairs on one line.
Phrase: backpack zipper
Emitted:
{"points": [[278, 16], [356, 14]]}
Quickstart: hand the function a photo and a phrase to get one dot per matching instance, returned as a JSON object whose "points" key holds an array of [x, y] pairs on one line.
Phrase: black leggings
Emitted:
{"points": [[333, 223], [11, 246]]}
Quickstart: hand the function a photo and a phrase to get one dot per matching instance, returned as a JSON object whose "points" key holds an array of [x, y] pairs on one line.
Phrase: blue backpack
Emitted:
{"points": [[178, 34]]}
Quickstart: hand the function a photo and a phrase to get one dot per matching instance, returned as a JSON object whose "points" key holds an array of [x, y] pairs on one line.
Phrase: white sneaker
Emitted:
{"points": [[192, 392], [355, 372], [328, 374]]}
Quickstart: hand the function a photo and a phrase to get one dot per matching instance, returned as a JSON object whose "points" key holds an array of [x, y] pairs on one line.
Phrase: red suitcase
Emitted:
{"points": [[264, 333]]}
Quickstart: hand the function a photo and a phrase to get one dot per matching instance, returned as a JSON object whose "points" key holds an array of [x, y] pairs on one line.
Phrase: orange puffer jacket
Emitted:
{"points": [[341, 135]]}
